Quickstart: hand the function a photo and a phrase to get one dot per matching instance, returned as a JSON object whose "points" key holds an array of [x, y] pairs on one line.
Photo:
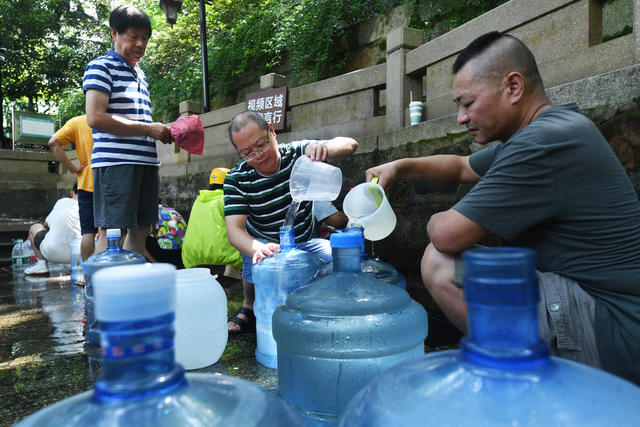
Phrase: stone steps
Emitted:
{"points": [[12, 228]]}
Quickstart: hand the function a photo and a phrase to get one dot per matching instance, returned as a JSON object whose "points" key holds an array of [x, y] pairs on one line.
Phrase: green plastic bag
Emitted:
{"points": [[205, 241]]}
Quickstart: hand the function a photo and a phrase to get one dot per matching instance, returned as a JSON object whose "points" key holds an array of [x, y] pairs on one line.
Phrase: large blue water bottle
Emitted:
{"points": [[376, 268], [337, 334], [141, 384], [274, 279], [114, 255], [503, 374]]}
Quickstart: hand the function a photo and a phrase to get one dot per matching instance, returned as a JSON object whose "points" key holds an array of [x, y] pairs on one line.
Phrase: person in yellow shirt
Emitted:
{"points": [[77, 130]]}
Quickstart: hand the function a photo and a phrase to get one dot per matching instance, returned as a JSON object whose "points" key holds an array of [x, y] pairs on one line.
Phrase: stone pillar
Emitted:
{"points": [[399, 42], [636, 29], [272, 80], [188, 108]]}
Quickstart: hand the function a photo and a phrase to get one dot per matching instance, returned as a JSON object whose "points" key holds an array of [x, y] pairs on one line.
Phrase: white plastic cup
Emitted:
{"points": [[75, 261], [367, 206], [415, 112], [312, 180], [201, 318]]}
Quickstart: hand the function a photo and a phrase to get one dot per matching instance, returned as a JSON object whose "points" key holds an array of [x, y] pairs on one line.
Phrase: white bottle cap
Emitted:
{"points": [[134, 292], [113, 233]]}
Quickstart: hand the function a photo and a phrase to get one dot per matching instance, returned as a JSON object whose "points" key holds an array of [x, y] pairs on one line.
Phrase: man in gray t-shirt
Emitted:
{"points": [[552, 184]]}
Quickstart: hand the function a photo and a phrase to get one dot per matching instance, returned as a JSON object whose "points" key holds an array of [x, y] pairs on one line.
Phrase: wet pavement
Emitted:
{"points": [[43, 355]]}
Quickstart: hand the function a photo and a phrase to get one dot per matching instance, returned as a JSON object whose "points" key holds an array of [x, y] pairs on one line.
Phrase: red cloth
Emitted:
{"points": [[188, 133]]}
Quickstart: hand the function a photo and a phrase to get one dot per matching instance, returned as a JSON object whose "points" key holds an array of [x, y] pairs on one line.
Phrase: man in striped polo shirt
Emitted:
{"points": [[256, 198], [124, 158]]}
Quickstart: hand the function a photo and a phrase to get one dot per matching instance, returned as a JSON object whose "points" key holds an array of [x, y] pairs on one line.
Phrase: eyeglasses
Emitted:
{"points": [[261, 147]]}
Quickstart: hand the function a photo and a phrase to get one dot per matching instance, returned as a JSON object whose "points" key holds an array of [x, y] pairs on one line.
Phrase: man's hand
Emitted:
{"points": [[160, 132], [267, 249], [386, 173], [78, 169], [316, 152]]}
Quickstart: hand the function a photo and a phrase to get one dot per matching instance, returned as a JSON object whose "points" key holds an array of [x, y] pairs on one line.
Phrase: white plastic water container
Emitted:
{"points": [[201, 318]]}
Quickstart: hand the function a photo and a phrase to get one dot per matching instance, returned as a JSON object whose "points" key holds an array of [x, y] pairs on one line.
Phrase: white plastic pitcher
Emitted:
{"points": [[312, 180], [201, 318], [367, 206]]}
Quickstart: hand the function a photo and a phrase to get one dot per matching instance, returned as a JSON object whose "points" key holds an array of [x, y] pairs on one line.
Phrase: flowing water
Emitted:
{"points": [[291, 213]]}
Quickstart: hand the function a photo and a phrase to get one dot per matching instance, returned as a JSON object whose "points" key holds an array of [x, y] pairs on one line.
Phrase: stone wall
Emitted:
{"points": [[30, 183]]}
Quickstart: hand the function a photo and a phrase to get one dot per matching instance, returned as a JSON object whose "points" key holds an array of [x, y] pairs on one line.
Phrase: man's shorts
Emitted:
{"points": [[39, 237], [317, 246], [85, 208], [125, 196], [566, 316]]}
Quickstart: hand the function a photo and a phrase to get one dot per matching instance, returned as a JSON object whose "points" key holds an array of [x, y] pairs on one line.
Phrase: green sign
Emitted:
{"points": [[32, 128]]}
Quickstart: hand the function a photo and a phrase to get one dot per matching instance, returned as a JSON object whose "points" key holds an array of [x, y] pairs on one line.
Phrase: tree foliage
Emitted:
{"points": [[48, 45]]}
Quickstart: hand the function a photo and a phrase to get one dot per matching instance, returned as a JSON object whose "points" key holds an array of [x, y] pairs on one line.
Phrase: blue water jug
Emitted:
{"points": [[141, 384], [503, 374], [337, 334], [112, 256], [376, 268], [274, 279]]}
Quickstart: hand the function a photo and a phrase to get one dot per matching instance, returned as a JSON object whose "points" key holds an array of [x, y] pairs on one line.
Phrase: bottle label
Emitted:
{"points": [[136, 350], [20, 260]]}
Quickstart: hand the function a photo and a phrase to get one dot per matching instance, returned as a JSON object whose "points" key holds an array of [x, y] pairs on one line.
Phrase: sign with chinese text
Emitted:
{"points": [[32, 128], [270, 104]]}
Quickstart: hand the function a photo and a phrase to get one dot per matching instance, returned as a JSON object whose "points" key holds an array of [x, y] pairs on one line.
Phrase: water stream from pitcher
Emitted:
{"points": [[291, 214]]}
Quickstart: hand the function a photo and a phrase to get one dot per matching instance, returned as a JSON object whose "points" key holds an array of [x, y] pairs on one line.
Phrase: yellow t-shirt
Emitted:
{"points": [[77, 130]]}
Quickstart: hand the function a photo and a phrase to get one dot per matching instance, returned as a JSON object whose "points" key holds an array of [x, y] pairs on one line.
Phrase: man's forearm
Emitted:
{"points": [[440, 169], [116, 125], [60, 155], [340, 148]]}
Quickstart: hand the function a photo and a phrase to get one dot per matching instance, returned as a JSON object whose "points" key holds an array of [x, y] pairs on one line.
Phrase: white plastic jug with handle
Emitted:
{"points": [[201, 318], [367, 206], [312, 180]]}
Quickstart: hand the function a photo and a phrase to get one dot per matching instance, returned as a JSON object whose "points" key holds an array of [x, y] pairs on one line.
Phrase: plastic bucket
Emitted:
{"points": [[367, 206], [314, 180]]}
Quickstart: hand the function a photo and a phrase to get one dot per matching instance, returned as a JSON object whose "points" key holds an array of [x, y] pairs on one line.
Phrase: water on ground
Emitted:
{"points": [[43, 354]]}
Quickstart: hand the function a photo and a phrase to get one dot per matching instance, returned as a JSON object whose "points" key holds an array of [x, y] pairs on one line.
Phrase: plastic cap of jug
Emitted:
{"points": [[133, 292], [347, 239], [113, 233]]}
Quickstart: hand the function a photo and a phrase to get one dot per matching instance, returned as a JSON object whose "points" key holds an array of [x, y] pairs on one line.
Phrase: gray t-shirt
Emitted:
{"points": [[557, 187]]}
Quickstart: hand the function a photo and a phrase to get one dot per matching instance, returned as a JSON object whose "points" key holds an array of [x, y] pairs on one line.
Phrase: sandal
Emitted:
{"points": [[245, 325]]}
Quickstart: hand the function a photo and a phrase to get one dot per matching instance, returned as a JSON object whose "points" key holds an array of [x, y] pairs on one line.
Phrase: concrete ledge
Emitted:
{"points": [[600, 96], [26, 155], [340, 85], [374, 126], [503, 18], [221, 116]]}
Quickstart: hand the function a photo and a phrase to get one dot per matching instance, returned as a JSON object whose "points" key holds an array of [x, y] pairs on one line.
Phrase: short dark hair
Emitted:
{"points": [[240, 121], [511, 54], [75, 187], [128, 16]]}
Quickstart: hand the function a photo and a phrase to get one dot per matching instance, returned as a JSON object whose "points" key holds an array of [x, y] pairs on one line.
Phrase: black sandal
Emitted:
{"points": [[245, 325]]}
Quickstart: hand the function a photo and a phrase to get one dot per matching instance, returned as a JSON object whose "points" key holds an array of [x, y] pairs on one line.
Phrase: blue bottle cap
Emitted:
{"points": [[113, 233], [347, 239]]}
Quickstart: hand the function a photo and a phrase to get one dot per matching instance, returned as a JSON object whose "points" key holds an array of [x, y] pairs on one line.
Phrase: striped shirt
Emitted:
{"points": [[128, 92], [265, 200]]}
